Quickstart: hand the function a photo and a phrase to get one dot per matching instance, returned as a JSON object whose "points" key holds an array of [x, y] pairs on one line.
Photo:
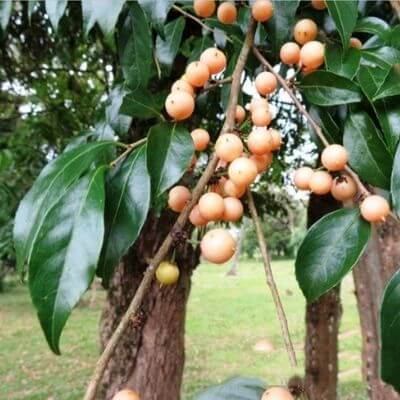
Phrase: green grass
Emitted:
{"points": [[226, 317]]}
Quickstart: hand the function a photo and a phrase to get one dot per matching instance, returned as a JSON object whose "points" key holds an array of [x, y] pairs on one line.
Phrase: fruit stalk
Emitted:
{"points": [[271, 281], [178, 226]]}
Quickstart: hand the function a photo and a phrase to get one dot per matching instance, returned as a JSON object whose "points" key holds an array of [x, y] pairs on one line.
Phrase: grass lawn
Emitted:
{"points": [[227, 316]]}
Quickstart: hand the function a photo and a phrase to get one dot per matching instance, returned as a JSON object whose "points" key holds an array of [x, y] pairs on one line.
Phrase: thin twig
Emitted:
{"points": [[311, 121], [129, 148], [214, 84], [271, 281], [178, 226]]}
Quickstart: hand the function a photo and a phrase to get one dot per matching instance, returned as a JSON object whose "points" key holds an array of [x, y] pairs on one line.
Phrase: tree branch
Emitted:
{"points": [[271, 281], [179, 224], [311, 121]]}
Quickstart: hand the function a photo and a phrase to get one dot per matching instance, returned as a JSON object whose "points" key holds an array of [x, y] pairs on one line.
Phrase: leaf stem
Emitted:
{"points": [[178, 226], [216, 83], [129, 148]]}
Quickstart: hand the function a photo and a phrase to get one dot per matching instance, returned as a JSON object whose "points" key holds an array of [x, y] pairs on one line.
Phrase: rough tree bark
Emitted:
{"points": [[371, 275], [322, 325], [136, 364]]}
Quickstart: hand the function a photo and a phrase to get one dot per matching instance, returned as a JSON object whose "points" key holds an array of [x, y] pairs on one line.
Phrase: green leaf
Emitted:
{"points": [[373, 25], [55, 10], [387, 110], [226, 89], [167, 49], [390, 331], [395, 181], [344, 14], [47, 191], [104, 12], [157, 11], [391, 85], [279, 27], [395, 37], [329, 251], [169, 152], [136, 45], [66, 252], [194, 46], [344, 63], [239, 388], [5, 13], [31, 8], [143, 104], [367, 152], [328, 124], [384, 57], [119, 123], [324, 88], [127, 205]]}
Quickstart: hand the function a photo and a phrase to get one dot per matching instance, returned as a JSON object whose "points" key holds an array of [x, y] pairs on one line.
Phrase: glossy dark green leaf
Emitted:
{"points": [[391, 85], [395, 37], [226, 89], [344, 63], [325, 88], [5, 13], [387, 110], [136, 45], [127, 205], [325, 120], [167, 48], [118, 122], [65, 253], [198, 46], [239, 388], [344, 14], [395, 182], [368, 154], [384, 57], [329, 251], [104, 12], [279, 27], [47, 190], [373, 25], [157, 11], [55, 10], [169, 152], [390, 332], [142, 104]]}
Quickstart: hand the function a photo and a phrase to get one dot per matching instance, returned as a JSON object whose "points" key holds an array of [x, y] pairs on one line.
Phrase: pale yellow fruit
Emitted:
{"points": [[167, 273]]}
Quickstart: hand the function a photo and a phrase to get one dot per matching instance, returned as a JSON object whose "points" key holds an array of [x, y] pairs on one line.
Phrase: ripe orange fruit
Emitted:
{"points": [[215, 60], [242, 171], [227, 12], [305, 31], [217, 246], [195, 217], [240, 114], [276, 139], [266, 83], [356, 43], [312, 55], [197, 73], [228, 147], [262, 161], [233, 209], [320, 182], [277, 393], [179, 105], [126, 394], [231, 189], [259, 141], [182, 85], [343, 188], [211, 206], [302, 177], [262, 10], [258, 103], [204, 8], [334, 157], [375, 208], [318, 4], [167, 273], [201, 138], [290, 53], [261, 116], [178, 196]]}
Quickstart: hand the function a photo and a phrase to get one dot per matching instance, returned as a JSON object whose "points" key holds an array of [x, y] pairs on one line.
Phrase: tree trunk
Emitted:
{"points": [[371, 275], [150, 358], [322, 326]]}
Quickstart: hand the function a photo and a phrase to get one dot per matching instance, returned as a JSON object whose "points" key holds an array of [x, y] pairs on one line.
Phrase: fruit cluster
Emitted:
{"points": [[342, 187]]}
